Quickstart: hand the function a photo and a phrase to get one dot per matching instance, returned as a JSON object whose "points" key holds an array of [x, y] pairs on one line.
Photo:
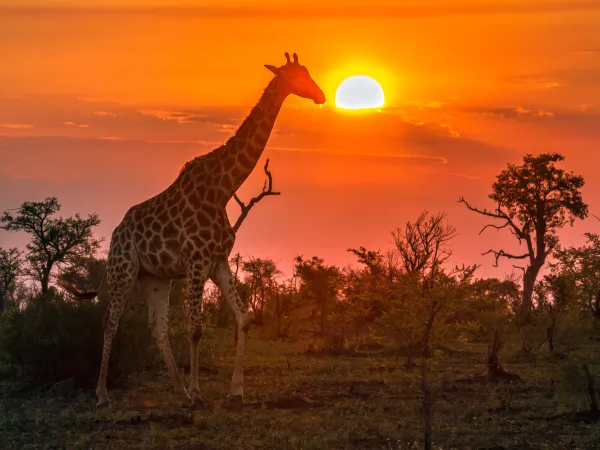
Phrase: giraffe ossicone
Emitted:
{"points": [[184, 232]]}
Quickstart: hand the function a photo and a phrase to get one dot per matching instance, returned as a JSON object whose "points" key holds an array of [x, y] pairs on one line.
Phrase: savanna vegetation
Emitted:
{"points": [[407, 348]]}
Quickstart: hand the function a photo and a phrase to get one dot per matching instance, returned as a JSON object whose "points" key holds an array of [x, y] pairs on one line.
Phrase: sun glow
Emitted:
{"points": [[359, 92]]}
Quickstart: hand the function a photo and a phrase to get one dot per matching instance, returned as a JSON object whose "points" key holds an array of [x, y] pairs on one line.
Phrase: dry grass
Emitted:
{"points": [[364, 401]]}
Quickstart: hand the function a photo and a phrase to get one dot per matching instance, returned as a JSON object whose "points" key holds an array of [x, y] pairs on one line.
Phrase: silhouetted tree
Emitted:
{"points": [[582, 264], [54, 240], [554, 294], [533, 200], [11, 263], [423, 247], [370, 258], [260, 279], [319, 287], [490, 304]]}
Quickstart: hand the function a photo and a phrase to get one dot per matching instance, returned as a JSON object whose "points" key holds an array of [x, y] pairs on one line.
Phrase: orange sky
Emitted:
{"points": [[101, 107]]}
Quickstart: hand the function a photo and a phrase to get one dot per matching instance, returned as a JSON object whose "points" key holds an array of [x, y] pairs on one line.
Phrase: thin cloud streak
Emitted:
{"points": [[323, 11], [439, 159]]}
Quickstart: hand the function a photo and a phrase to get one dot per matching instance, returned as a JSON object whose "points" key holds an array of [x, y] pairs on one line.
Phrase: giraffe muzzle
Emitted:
{"points": [[320, 98]]}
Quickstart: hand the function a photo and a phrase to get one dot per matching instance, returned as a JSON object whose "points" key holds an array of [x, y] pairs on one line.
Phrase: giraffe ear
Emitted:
{"points": [[273, 69]]}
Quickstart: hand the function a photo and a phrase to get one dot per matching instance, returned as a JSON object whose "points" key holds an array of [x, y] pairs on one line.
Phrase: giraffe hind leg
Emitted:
{"points": [[156, 291], [197, 276], [121, 280]]}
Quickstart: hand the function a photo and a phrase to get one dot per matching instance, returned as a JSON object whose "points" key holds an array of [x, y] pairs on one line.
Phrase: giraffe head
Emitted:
{"points": [[295, 79]]}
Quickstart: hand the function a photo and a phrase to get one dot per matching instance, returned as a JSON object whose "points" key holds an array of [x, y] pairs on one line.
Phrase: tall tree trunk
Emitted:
{"points": [[550, 331], [529, 278], [45, 281], [494, 348], [550, 339], [525, 313], [591, 389], [596, 306]]}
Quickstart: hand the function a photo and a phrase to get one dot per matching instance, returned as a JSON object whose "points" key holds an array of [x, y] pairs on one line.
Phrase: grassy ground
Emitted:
{"points": [[366, 401]]}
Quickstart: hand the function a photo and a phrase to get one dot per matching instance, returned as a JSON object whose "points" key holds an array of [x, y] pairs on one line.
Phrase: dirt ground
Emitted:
{"points": [[367, 401]]}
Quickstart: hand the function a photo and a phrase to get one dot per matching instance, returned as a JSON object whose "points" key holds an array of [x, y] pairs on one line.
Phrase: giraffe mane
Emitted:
{"points": [[192, 161]]}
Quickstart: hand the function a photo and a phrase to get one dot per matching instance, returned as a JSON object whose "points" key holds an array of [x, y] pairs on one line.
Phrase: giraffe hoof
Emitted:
{"points": [[102, 404], [234, 402], [197, 403]]}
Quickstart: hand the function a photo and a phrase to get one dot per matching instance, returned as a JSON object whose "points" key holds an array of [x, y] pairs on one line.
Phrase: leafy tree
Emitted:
{"points": [[319, 287], [11, 263], [260, 278], [491, 304], [373, 259], [533, 201], [54, 240], [582, 264], [554, 295]]}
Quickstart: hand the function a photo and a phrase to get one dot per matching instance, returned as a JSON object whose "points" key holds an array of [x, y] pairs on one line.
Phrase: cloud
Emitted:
{"points": [[179, 117], [368, 155], [588, 51], [104, 114], [48, 115], [77, 125], [537, 82], [332, 9], [390, 137], [15, 126], [511, 112]]}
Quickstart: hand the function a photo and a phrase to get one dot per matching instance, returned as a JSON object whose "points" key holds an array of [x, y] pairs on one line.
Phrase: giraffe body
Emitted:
{"points": [[184, 232]]}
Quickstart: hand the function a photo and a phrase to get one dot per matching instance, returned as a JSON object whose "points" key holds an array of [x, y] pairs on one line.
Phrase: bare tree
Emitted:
{"points": [[266, 191], [423, 245], [423, 249], [533, 201]]}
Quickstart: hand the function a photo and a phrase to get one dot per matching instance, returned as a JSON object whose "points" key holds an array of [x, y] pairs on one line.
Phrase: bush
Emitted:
{"points": [[579, 381], [52, 340]]}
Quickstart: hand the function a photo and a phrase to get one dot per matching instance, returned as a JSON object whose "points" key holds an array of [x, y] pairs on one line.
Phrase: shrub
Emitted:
{"points": [[52, 339]]}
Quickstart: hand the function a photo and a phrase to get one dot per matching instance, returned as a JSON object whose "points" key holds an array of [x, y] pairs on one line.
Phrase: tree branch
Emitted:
{"points": [[497, 227], [267, 190], [520, 233], [501, 253]]}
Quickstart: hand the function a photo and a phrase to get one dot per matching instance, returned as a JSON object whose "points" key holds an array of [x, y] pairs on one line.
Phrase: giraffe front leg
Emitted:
{"points": [[196, 280], [225, 281]]}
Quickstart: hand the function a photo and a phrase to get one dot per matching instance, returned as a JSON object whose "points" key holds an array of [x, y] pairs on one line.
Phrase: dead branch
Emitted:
{"points": [[501, 253], [520, 233], [267, 190], [520, 268]]}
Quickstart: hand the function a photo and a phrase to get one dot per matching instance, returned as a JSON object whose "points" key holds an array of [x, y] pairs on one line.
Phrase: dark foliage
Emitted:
{"points": [[53, 339]]}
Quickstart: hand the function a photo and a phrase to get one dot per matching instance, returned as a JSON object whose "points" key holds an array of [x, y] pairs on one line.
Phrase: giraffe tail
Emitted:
{"points": [[76, 293]]}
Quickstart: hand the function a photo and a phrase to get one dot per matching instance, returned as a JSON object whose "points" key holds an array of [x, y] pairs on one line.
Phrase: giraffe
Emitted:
{"points": [[184, 232]]}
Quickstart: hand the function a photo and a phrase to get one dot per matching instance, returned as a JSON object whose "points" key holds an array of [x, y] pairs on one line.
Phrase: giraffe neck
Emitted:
{"points": [[247, 145]]}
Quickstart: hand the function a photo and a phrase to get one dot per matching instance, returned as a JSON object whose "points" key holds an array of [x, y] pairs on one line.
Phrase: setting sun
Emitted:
{"points": [[359, 92]]}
